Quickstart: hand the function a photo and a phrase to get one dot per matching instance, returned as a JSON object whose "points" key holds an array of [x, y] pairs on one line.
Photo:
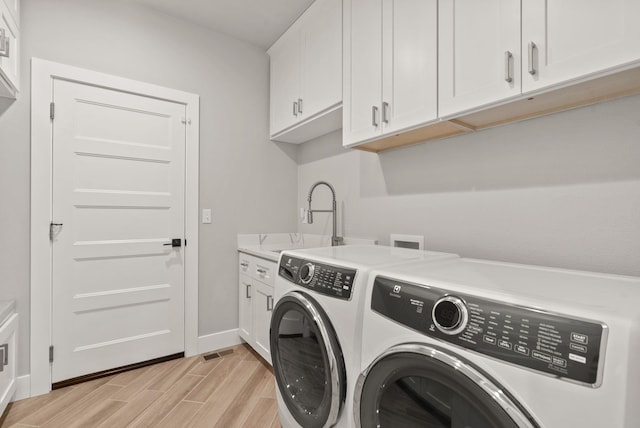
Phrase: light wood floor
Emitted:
{"points": [[234, 390]]}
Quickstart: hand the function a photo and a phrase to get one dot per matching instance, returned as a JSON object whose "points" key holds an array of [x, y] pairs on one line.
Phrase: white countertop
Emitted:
{"points": [[269, 245]]}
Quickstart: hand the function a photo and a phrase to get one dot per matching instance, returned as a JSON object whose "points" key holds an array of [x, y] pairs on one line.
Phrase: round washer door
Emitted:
{"points": [[307, 361], [416, 385]]}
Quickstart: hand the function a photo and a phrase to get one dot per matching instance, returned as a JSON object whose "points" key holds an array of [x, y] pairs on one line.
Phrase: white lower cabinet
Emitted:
{"points": [[8, 367], [255, 298]]}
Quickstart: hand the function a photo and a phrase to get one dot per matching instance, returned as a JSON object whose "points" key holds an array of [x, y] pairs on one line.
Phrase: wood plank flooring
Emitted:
{"points": [[233, 390]]}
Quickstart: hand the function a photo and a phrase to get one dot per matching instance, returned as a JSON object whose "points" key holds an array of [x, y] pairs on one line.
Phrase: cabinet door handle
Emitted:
{"points": [[374, 116], [247, 293], [244, 264], [4, 44], [295, 108], [269, 303], [262, 271], [532, 57], [385, 112], [508, 60], [300, 105], [4, 356]]}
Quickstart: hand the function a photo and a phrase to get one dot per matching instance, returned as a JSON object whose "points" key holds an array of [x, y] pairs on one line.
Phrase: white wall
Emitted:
{"points": [[561, 190], [124, 39]]}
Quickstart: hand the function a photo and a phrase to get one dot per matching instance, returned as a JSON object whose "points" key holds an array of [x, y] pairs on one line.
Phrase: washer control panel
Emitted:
{"points": [[322, 278], [555, 344]]}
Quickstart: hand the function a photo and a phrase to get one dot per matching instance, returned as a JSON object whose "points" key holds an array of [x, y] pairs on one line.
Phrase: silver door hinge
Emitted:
{"points": [[51, 354], [52, 110], [54, 228]]}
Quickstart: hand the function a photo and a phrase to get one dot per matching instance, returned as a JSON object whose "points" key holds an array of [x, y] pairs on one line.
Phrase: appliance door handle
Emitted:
{"points": [[269, 303]]}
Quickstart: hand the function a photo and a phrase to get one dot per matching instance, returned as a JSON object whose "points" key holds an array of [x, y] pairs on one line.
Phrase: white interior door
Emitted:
{"points": [[118, 191]]}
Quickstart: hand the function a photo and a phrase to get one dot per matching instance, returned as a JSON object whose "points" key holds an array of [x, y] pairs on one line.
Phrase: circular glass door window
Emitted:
{"points": [[409, 390], [307, 361]]}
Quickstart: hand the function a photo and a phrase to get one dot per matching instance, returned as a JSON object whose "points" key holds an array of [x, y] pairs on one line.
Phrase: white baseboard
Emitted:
{"points": [[215, 341], [23, 388]]}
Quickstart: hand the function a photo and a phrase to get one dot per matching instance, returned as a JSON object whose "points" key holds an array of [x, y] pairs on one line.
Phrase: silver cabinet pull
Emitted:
{"points": [[532, 57], [374, 116], [248, 288], [4, 43], [269, 303], [385, 112], [4, 356], [295, 108], [244, 265], [300, 105], [262, 271], [508, 60]]}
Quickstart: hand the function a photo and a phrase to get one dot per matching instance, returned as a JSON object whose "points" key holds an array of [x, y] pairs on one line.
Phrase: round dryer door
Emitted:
{"points": [[416, 385], [307, 361]]}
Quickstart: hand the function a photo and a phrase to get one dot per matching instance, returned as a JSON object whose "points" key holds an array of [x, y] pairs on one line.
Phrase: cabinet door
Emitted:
{"points": [[9, 55], [322, 57], [574, 38], [14, 9], [245, 294], [285, 81], [362, 92], [8, 361], [262, 309], [410, 67], [476, 38]]}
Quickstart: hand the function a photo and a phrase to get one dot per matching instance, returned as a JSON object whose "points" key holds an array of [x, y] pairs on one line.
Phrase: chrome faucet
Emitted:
{"points": [[335, 239]]}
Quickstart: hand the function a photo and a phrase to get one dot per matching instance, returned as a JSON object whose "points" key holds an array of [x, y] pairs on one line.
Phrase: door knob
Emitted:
{"points": [[174, 243]]}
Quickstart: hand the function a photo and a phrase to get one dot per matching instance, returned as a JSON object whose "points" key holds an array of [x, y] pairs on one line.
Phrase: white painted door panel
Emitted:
{"points": [[262, 296], [474, 37], [363, 70], [322, 58], [118, 190], [410, 73], [575, 38], [285, 81], [245, 329]]}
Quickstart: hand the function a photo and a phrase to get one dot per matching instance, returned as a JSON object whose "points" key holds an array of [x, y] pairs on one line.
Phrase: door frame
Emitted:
{"points": [[43, 74]]}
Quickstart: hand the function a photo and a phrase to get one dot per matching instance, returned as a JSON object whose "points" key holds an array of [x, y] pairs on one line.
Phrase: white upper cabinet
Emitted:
{"points": [[479, 57], [568, 39], [390, 72], [14, 10], [321, 58], [285, 81], [492, 51], [9, 48], [306, 75]]}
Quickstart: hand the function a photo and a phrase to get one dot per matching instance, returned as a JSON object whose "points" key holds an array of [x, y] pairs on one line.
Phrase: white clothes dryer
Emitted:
{"points": [[481, 344], [316, 328]]}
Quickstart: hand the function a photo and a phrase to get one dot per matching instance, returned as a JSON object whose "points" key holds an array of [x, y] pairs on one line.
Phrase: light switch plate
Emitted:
{"points": [[206, 215]]}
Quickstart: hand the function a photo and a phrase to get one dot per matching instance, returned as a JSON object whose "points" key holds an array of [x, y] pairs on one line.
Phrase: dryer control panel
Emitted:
{"points": [[322, 278], [552, 343]]}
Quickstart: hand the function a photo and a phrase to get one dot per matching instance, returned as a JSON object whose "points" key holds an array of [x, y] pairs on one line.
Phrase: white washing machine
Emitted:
{"points": [[316, 328], [479, 344]]}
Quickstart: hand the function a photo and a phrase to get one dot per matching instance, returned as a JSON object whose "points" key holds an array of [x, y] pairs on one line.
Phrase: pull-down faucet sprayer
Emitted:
{"points": [[335, 239]]}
